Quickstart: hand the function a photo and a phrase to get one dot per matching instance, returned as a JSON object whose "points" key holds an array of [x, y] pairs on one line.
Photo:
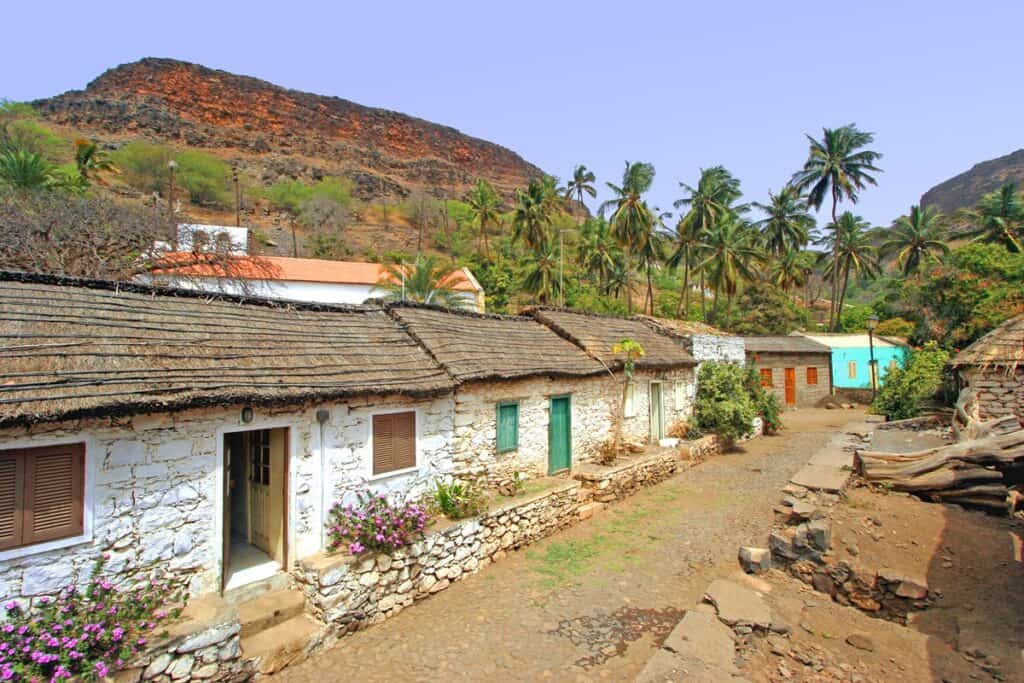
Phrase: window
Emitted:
{"points": [[851, 369], [259, 457], [630, 408], [394, 442], [508, 427], [42, 494], [812, 376], [766, 377]]}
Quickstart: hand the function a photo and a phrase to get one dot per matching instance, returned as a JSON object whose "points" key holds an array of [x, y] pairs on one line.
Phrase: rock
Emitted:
{"points": [[911, 589], [206, 671], [823, 583], [779, 626], [46, 579], [701, 637], [157, 666], [778, 645], [181, 667], [819, 533], [803, 510], [861, 641], [755, 560], [737, 605], [211, 636]]}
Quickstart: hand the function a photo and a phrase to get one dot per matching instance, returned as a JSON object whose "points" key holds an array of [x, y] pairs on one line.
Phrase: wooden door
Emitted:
{"points": [[559, 435], [226, 515], [259, 490], [790, 386], [657, 413]]}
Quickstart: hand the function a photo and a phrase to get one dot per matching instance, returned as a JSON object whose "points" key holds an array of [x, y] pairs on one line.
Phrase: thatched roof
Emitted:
{"points": [[74, 348], [783, 344], [474, 346], [598, 334], [1002, 347]]}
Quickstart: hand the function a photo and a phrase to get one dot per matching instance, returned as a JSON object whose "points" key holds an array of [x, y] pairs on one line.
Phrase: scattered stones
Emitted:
{"points": [[755, 560], [738, 606], [861, 641]]}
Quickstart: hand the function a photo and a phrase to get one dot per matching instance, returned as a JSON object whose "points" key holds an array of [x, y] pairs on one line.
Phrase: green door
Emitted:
{"points": [[559, 435]]}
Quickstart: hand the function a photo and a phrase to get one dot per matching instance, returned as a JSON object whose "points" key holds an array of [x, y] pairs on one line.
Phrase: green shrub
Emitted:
{"points": [[205, 178], [458, 500], [290, 195], [765, 402], [724, 405], [144, 165], [895, 327], [32, 136], [907, 388]]}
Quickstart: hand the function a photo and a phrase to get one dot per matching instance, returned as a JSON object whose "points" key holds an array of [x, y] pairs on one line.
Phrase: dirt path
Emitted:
{"points": [[594, 601]]}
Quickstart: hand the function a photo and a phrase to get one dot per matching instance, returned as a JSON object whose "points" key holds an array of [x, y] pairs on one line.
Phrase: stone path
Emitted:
{"points": [[829, 469], [596, 600]]}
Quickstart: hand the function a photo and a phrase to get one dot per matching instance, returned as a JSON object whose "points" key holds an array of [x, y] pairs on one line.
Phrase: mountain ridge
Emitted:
{"points": [[965, 189]]}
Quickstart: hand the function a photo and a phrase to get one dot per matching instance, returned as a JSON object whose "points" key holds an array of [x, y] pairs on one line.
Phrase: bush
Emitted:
{"points": [[458, 500], [375, 524], [895, 327], [766, 404], [907, 388], [290, 195], [205, 178], [724, 405], [82, 634]]}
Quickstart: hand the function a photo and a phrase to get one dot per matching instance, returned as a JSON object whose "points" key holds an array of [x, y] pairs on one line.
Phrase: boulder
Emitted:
{"points": [[755, 560]]}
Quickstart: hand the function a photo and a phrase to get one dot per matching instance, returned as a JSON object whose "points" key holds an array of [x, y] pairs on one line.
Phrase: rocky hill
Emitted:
{"points": [[278, 132], [968, 187]]}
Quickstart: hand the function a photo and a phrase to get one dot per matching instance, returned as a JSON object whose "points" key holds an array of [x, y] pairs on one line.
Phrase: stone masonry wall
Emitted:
{"points": [[999, 393], [806, 394], [678, 388], [346, 592], [621, 480], [708, 347]]}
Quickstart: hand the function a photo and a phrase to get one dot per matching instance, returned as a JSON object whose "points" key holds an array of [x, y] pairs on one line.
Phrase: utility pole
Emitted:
{"points": [[872, 322], [238, 197], [172, 166]]}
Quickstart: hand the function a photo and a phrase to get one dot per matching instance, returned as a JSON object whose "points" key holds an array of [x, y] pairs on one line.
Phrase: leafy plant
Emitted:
{"points": [[765, 403], [83, 634], [724, 405], [458, 500], [374, 523], [203, 177], [907, 388]]}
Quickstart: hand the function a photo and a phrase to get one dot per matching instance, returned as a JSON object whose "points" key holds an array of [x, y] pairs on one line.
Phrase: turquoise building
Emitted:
{"points": [[851, 355]]}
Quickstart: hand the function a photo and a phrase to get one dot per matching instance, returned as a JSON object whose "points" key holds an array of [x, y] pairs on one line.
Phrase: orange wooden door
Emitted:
{"points": [[790, 386]]}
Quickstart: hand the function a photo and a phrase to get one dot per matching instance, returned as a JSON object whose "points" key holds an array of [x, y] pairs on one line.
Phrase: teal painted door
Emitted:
{"points": [[559, 435]]}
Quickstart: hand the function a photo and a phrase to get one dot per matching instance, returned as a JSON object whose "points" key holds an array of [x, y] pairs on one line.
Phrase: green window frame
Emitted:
{"points": [[508, 427]]}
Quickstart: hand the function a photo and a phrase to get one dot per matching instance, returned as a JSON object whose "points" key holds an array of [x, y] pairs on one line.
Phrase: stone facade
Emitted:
{"points": [[346, 593], [807, 395], [717, 348], [998, 392], [623, 479]]}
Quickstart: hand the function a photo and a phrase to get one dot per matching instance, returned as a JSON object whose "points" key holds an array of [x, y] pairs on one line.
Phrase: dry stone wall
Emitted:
{"points": [[999, 393], [716, 348], [621, 480]]}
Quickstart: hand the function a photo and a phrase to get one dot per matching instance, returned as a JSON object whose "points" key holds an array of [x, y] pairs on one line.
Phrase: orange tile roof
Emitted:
{"points": [[305, 270]]}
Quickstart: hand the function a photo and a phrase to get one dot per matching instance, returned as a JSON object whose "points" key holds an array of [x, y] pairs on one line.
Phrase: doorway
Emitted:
{"points": [[559, 435], [657, 413], [255, 543], [790, 386]]}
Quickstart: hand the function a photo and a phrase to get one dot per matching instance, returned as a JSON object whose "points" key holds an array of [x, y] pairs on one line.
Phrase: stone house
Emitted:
{"points": [[993, 368], [798, 370], [664, 384], [851, 358]]}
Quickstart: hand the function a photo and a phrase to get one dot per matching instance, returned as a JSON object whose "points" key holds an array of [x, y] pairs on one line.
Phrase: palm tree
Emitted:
{"points": [[652, 254], [582, 183], [787, 224], [687, 254], [24, 170], [632, 220], [999, 218], [917, 238], [791, 270], [429, 281], [541, 277], [850, 238], [707, 204], [597, 251], [840, 167], [533, 213], [485, 206], [732, 252], [91, 161]]}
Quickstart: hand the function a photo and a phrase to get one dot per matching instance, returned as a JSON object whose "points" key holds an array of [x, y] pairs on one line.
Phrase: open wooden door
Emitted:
{"points": [[226, 516], [790, 386]]}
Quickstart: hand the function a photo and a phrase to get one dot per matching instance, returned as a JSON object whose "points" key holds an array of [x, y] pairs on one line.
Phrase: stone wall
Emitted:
{"points": [[678, 389], [210, 651], [623, 479], [703, 448], [806, 394], [346, 592], [999, 393], [722, 349]]}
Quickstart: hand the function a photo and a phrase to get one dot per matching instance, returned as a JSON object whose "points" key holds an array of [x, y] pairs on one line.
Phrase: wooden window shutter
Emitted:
{"points": [[394, 442], [851, 369], [812, 376], [12, 486], [766, 377], [54, 493], [508, 427]]}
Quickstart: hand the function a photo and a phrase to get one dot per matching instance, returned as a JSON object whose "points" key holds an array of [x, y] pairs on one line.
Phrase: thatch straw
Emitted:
{"points": [[783, 344], [72, 349], [1002, 347]]}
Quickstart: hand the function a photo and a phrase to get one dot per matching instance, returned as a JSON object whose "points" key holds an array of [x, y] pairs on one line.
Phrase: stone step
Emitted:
{"points": [[269, 610], [286, 643], [251, 591]]}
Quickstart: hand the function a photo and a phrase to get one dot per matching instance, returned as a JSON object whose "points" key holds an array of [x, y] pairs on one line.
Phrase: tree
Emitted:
{"points": [[840, 167], [533, 213], [732, 251], [582, 184], [23, 170], [851, 242], [689, 245], [428, 281], [652, 254], [792, 269], [787, 225], [999, 218], [631, 220], [917, 238], [90, 161], [632, 351], [706, 204], [597, 251], [541, 277], [485, 205]]}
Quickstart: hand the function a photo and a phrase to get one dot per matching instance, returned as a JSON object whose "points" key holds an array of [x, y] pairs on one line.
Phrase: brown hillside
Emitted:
{"points": [[967, 188], [293, 134]]}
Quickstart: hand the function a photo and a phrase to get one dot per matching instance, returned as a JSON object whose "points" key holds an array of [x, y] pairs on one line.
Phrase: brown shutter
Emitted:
{"points": [[12, 484], [405, 440], [53, 493], [383, 444]]}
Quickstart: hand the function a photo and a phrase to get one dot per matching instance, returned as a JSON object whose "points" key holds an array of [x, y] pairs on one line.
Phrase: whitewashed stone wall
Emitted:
{"points": [[999, 393], [710, 347], [678, 405], [154, 486]]}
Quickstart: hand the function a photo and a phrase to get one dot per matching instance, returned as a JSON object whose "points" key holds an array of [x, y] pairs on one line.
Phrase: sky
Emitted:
{"points": [[683, 85]]}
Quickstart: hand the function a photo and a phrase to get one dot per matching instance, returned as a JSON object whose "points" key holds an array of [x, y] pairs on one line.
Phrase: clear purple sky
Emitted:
{"points": [[680, 84]]}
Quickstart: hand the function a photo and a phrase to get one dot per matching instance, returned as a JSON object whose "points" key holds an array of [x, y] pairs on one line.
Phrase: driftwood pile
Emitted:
{"points": [[977, 470]]}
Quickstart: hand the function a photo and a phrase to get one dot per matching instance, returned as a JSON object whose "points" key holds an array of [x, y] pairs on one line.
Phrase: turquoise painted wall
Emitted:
{"points": [[842, 357]]}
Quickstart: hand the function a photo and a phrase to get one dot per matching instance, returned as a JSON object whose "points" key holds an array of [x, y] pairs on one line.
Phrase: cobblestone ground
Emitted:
{"points": [[594, 601]]}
